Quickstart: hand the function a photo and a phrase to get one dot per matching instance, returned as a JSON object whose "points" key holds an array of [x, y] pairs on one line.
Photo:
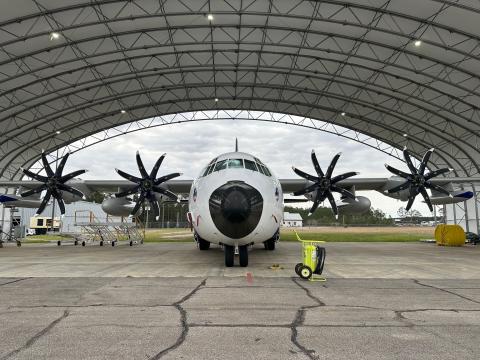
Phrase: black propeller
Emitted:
{"points": [[54, 183], [147, 185], [324, 184], [417, 181]]}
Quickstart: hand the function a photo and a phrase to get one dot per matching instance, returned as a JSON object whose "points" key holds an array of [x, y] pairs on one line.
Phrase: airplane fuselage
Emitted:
{"points": [[236, 201]]}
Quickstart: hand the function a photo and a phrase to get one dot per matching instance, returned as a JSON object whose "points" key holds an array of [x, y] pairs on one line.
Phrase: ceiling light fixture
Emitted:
{"points": [[418, 43], [123, 111], [210, 17], [216, 99], [58, 132], [54, 36], [343, 113]]}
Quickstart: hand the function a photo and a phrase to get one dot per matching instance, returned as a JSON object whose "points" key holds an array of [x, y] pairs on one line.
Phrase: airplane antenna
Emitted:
{"points": [[236, 145]]}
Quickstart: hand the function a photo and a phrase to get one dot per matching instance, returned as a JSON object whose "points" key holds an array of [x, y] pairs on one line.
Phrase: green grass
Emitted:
{"points": [[354, 237], [40, 239]]}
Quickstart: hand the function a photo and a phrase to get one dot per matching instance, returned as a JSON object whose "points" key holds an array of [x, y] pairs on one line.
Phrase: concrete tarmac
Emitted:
{"points": [[172, 301]]}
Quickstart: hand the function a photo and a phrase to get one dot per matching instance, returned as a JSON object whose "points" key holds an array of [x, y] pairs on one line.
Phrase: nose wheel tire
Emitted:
{"points": [[243, 255], [203, 244], [269, 244], [229, 255]]}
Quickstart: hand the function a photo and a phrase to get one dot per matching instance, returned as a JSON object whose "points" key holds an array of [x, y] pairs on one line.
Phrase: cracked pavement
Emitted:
{"points": [[241, 316]]}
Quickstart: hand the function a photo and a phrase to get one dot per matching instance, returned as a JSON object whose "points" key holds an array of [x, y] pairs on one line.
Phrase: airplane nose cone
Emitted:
{"points": [[236, 209]]}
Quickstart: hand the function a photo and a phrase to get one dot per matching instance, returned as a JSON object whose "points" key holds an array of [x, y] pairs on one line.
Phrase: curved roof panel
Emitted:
{"points": [[405, 72]]}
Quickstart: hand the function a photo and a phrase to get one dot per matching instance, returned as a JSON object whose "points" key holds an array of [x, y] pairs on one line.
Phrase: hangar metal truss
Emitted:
{"points": [[402, 72]]}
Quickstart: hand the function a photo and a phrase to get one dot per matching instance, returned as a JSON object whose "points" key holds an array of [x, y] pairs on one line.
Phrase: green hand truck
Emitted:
{"points": [[313, 260]]}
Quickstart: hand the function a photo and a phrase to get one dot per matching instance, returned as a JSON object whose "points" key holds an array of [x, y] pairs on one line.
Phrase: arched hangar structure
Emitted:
{"points": [[398, 72]]}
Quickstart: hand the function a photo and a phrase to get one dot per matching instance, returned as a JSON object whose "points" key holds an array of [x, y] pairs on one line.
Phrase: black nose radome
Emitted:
{"points": [[236, 209]]}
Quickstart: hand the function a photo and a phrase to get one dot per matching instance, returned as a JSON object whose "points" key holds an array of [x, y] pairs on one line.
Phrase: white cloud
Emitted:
{"points": [[190, 146]]}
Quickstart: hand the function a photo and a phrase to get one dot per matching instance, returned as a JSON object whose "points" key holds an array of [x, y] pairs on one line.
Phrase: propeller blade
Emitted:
{"points": [[411, 199], [34, 191], [438, 188], [423, 164], [166, 178], [426, 198], [409, 162], [166, 192], [143, 172], [153, 173], [128, 176], [316, 202], [316, 165], [60, 167], [46, 165], [61, 205], [329, 172], [342, 191], [155, 208], [332, 203], [343, 176], [308, 189], [397, 172], [305, 175], [435, 173], [139, 203], [35, 176], [44, 202], [70, 176], [400, 187], [70, 189], [131, 191]]}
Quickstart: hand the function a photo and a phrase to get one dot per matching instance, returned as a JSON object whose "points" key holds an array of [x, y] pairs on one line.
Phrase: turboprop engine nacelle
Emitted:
{"points": [[118, 207], [356, 206], [69, 198]]}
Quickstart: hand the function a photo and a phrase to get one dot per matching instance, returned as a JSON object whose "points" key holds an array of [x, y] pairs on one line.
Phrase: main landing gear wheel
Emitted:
{"points": [[229, 255], [269, 244], [305, 272], [59, 243], [101, 242], [75, 242], [131, 243], [84, 243], [243, 255]]}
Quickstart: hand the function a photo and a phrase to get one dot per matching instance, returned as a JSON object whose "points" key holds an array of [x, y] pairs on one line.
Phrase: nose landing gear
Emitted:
{"points": [[230, 255]]}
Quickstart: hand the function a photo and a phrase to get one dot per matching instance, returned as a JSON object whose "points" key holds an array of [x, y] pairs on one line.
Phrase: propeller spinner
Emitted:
{"points": [[54, 183], [417, 181], [324, 184], [147, 185]]}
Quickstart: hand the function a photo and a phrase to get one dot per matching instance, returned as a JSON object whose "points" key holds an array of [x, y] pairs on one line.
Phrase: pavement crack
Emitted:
{"points": [[183, 321], [300, 319], [37, 336], [445, 290], [14, 281]]}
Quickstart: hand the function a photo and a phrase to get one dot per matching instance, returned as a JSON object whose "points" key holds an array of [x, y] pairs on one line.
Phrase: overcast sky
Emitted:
{"points": [[190, 146]]}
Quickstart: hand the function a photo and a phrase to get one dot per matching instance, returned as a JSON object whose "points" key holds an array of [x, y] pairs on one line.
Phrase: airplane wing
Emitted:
{"points": [[104, 186], [378, 184]]}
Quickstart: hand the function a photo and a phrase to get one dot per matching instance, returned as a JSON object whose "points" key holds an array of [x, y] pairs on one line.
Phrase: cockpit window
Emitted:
{"points": [[221, 165], [235, 163], [250, 165]]}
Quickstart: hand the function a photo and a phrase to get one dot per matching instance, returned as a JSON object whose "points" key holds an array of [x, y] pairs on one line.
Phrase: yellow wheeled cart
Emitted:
{"points": [[313, 260]]}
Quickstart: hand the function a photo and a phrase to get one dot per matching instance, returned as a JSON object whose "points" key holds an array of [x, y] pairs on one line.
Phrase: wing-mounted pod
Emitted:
{"points": [[147, 186], [324, 184]]}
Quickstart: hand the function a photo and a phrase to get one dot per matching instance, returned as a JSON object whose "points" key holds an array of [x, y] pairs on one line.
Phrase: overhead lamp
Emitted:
{"points": [[216, 99], [405, 135], [210, 17], [58, 132], [123, 111], [417, 43], [343, 113], [54, 36]]}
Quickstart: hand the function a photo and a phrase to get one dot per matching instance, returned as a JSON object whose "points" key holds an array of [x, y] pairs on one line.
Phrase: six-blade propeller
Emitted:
{"points": [[417, 181], [324, 184], [147, 185], [53, 183]]}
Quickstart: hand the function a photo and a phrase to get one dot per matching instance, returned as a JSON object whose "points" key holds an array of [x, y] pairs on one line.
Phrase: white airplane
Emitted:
{"points": [[236, 201]]}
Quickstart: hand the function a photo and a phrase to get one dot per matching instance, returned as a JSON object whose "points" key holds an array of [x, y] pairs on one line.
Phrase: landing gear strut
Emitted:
{"points": [[202, 244]]}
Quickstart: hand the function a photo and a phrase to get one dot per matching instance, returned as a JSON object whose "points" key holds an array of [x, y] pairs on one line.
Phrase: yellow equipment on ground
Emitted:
{"points": [[449, 235], [313, 260]]}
